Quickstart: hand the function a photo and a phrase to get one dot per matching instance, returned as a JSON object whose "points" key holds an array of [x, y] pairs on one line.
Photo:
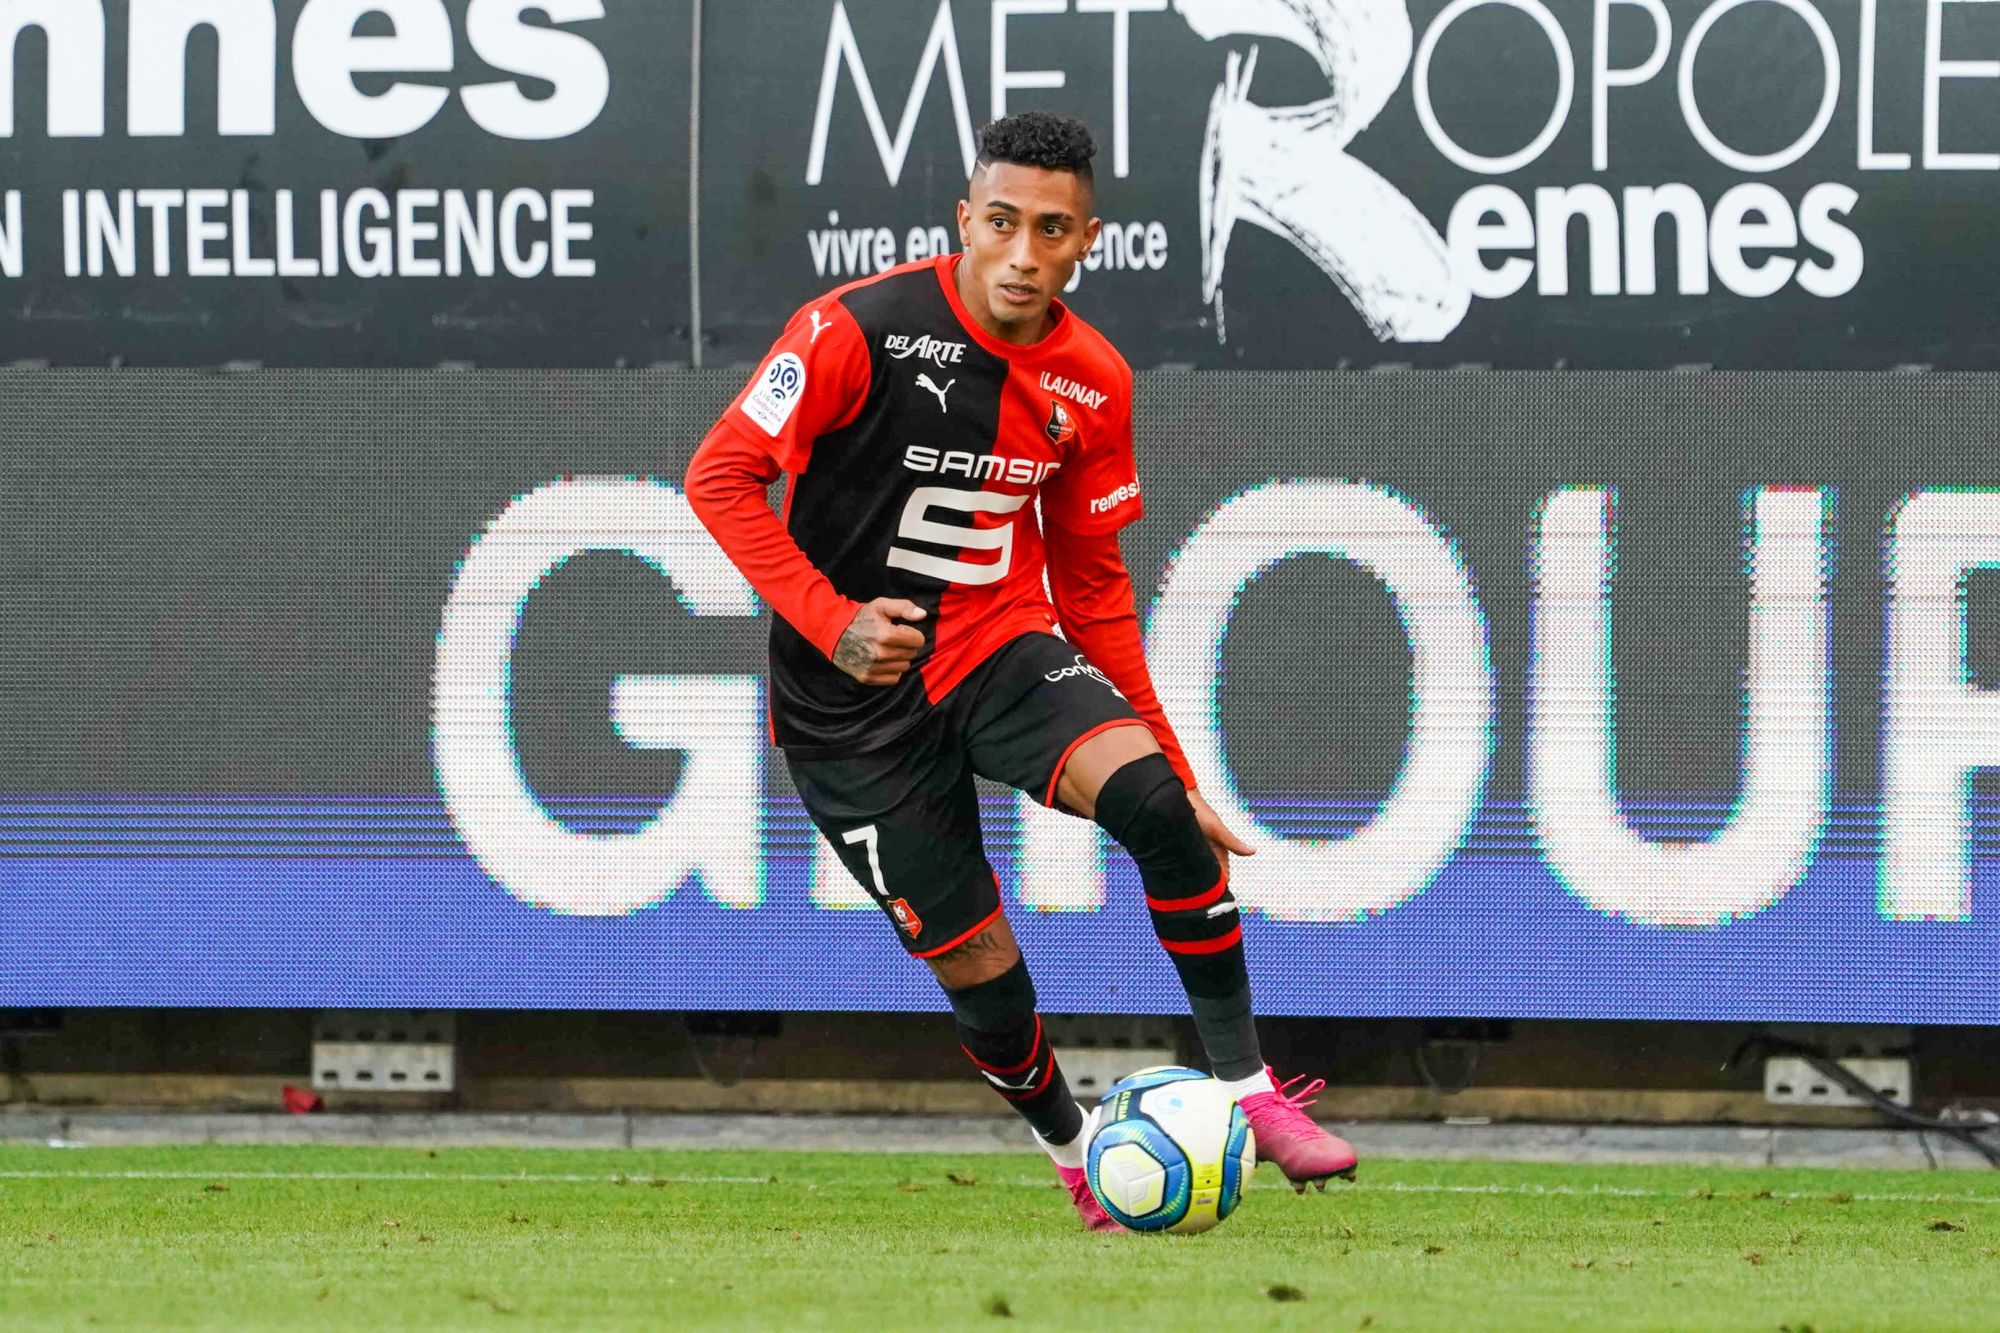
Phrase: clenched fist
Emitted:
{"points": [[875, 649]]}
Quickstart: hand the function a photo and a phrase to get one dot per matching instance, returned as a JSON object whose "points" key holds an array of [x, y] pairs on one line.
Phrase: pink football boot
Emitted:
{"points": [[1286, 1135], [1087, 1206]]}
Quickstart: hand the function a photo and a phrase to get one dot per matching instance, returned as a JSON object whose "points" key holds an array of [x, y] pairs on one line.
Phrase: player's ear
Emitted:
{"points": [[1089, 234], [964, 224]]}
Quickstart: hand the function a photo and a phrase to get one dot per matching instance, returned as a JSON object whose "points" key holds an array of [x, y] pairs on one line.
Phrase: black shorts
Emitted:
{"points": [[904, 819]]}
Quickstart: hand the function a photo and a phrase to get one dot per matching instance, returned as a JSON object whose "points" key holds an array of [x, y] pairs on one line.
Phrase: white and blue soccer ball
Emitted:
{"points": [[1171, 1151]]}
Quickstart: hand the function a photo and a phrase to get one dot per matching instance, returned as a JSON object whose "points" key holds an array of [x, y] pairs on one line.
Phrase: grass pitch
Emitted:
{"points": [[348, 1238]]}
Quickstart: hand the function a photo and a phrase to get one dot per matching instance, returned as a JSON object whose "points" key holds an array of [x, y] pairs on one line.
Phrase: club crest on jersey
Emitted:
{"points": [[1060, 430], [925, 348], [906, 917]]}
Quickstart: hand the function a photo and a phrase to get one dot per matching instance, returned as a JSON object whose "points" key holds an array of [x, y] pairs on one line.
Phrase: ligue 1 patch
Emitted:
{"points": [[906, 917], [778, 391], [1060, 429]]}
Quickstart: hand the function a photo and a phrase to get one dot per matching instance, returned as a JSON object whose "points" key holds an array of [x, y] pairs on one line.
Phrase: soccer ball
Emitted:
{"points": [[1171, 1151]]}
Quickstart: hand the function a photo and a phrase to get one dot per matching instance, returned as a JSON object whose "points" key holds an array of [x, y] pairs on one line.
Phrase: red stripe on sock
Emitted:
{"points": [[1187, 904], [1234, 936]]}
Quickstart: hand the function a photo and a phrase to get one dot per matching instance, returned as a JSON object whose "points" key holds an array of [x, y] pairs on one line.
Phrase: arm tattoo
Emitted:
{"points": [[852, 653]]}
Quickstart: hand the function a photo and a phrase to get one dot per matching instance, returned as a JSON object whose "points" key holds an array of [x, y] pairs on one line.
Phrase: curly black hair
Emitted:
{"points": [[1040, 139]]}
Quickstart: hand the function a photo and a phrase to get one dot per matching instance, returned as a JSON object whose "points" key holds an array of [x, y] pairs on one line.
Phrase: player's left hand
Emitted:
{"points": [[1220, 840]]}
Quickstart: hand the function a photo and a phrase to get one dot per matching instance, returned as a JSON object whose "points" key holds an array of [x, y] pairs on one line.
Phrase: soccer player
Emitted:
{"points": [[919, 415]]}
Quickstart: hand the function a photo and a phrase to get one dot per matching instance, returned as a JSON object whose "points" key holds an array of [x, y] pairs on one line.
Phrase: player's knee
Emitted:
{"points": [[1145, 807]]}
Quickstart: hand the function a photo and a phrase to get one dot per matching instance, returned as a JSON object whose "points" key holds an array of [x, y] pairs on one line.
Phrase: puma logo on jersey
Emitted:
{"points": [[1073, 391], [819, 327], [930, 386], [984, 467], [1023, 1086], [925, 348]]}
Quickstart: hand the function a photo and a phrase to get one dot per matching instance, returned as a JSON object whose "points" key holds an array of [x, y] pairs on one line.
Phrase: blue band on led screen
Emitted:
{"points": [[236, 903]]}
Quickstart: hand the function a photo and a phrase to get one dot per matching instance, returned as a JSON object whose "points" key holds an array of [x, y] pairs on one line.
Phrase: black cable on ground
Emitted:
{"points": [[1969, 1135]]}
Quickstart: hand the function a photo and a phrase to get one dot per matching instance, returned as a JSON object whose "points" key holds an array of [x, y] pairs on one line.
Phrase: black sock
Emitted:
{"points": [[1144, 806], [1000, 1031], [1228, 1031]]}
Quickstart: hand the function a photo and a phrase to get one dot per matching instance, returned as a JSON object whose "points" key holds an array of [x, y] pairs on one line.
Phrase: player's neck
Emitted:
{"points": [[973, 301]]}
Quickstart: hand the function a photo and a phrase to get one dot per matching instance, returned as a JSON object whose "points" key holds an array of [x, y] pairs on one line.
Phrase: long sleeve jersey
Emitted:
{"points": [[917, 451]]}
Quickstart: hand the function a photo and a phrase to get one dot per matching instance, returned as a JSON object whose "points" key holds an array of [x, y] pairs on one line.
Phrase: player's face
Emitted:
{"points": [[1023, 229]]}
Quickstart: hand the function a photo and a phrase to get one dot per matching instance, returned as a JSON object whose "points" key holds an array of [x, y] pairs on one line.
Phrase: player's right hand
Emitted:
{"points": [[874, 648]]}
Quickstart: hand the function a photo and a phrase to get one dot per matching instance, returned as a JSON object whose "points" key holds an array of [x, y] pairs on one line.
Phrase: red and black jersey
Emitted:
{"points": [[918, 447]]}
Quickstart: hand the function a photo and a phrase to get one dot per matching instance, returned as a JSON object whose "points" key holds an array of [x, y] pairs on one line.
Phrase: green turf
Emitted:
{"points": [[473, 1238]]}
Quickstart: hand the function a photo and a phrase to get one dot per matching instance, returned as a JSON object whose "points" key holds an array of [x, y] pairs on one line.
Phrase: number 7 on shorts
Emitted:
{"points": [[901, 912], [867, 836]]}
